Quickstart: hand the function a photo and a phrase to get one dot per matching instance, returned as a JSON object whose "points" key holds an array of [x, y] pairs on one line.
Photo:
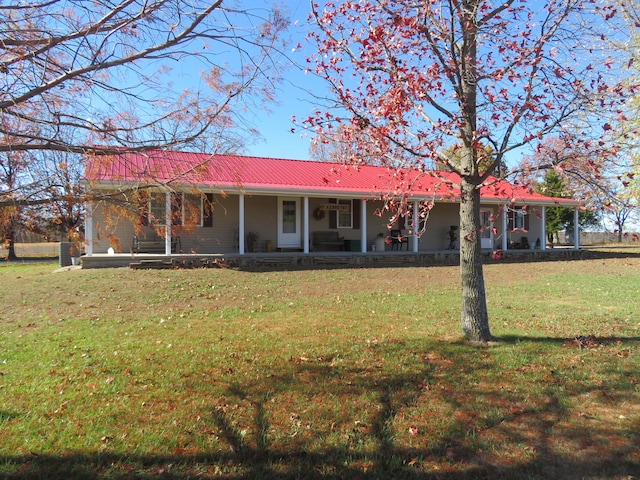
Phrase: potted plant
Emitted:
{"points": [[380, 243]]}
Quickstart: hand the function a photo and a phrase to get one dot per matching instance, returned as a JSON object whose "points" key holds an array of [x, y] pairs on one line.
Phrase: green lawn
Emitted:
{"points": [[319, 374]]}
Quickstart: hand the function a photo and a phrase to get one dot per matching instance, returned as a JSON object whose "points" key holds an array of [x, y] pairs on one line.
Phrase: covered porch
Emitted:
{"points": [[269, 224]]}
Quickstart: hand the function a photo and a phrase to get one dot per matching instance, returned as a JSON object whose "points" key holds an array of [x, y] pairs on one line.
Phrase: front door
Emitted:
{"points": [[289, 223]]}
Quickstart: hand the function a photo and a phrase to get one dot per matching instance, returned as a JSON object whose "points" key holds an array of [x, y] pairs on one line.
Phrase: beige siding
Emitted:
{"points": [[261, 217], [111, 230], [435, 236], [375, 224], [219, 238]]}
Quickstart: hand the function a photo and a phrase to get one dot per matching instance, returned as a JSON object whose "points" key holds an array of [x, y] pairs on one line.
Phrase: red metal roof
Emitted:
{"points": [[259, 174]]}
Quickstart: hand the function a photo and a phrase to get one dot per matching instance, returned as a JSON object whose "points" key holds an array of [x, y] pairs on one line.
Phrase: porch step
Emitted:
{"points": [[395, 260], [275, 260], [157, 264], [332, 260]]}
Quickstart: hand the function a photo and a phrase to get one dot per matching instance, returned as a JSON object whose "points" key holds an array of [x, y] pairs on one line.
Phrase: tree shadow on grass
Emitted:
{"points": [[578, 340], [623, 251], [446, 411], [4, 415]]}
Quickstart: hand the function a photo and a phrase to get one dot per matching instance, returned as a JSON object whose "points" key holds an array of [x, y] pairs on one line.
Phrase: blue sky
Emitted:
{"points": [[273, 120], [275, 126], [293, 98]]}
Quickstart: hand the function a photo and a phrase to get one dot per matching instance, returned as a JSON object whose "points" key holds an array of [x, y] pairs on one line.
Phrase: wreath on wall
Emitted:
{"points": [[318, 214]]}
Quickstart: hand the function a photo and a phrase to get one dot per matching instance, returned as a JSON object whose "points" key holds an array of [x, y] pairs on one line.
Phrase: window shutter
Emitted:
{"points": [[176, 209], [526, 221], [356, 205], [207, 221], [143, 209], [333, 215], [144, 215]]}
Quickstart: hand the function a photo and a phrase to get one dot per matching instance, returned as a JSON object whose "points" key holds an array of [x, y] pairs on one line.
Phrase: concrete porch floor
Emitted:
{"points": [[298, 260]]}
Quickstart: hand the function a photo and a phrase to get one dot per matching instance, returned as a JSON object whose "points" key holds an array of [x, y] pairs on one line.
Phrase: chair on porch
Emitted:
{"points": [[252, 243], [398, 240]]}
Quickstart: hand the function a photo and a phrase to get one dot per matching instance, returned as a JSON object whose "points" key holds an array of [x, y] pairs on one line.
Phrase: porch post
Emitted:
{"points": [[416, 227], [305, 224], [363, 225], [505, 226], [576, 229], [167, 223], [88, 229], [543, 228], [241, 224]]}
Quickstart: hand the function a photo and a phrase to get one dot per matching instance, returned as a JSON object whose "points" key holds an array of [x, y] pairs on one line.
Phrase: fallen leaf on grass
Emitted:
{"points": [[582, 341]]}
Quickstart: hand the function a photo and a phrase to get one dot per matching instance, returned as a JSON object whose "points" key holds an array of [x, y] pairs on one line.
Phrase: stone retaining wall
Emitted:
{"points": [[291, 260]]}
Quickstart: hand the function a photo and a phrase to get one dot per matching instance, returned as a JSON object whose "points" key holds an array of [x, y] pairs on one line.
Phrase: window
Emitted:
{"points": [[486, 217], [157, 209], [518, 220], [345, 214], [406, 221], [192, 209], [488, 224], [207, 210], [186, 209], [289, 216]]}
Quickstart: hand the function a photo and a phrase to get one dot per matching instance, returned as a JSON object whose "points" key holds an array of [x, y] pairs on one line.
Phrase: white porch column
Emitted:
{"points": [[88, 229], [416, 227], [363, 226], [505, 226], [167, 223], [305, 224], [241, 224], [576, 229], [543, 228]]}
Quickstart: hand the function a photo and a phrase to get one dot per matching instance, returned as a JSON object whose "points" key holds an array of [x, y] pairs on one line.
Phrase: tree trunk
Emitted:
{"points": [[10, 239], [475, 318], [11, 255]]}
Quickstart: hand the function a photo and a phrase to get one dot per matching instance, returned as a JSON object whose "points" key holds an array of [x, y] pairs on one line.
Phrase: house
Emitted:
{"points": [[196, 203]]}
